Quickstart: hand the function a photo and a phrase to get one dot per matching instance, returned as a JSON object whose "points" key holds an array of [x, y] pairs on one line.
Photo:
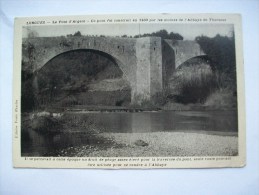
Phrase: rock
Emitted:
{"points": [[140, 143]]}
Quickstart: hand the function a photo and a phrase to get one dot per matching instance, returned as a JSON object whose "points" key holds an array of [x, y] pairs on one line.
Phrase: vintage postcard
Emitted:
{"points": [[129, 91]]}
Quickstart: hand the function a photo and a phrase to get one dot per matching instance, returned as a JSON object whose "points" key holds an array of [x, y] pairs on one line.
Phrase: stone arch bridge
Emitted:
{"points": [[147, 63]]}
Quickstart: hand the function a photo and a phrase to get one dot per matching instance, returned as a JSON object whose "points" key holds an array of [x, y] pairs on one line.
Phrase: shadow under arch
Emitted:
{"points": [[37, 78], [193, 81], [195, 60], [113, 59]]}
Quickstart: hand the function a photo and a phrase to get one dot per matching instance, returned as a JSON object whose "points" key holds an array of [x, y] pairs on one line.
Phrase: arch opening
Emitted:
{"points": [[82, 77], [192, 81], [195, 60]]}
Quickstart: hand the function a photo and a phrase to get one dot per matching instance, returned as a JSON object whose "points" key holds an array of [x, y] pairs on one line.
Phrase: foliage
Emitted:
{"points": [[163, 34], [77, 34], [216, 86], [223, 98], [221, 52], [192, 84], [46, 124]]}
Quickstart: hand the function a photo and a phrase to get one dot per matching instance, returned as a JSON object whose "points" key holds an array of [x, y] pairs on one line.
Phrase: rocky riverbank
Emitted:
{"points": [[158, 144]]}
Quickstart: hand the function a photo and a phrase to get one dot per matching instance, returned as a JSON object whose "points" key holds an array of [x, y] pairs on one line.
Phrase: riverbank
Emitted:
{"points": [[157, 144]]}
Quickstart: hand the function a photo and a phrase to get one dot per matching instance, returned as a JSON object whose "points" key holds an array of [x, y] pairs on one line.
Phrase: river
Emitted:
{"points": [[222, 122]]}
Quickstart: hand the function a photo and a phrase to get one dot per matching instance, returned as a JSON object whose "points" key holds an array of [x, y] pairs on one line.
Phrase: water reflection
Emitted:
{"points": [[139, 122]]}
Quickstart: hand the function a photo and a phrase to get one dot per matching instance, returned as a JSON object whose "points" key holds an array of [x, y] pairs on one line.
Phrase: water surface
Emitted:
{"points": [[223, 122]]}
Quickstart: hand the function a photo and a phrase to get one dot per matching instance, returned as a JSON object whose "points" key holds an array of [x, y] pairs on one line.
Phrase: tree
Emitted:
{"points": [[221, 53], [77, 34], [220, 50], [163, 34], [175, 36]]}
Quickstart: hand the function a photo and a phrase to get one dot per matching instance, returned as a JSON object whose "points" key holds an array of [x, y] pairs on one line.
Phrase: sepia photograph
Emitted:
{"points": [[129, 97], [128, 89]]}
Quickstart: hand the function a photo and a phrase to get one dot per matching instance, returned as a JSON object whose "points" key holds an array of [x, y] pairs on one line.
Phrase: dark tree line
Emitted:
{"points": [[194, 84], [163, 34], [221, 52]]}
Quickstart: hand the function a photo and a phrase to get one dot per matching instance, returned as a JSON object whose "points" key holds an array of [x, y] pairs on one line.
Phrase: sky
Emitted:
{"points": [[188, 31]]}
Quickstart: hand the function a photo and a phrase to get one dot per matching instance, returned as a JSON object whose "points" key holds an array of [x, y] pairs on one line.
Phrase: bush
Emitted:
{"points": [[192, 84], [221, 52], [46, 124], [221, 98], [141, 102]]}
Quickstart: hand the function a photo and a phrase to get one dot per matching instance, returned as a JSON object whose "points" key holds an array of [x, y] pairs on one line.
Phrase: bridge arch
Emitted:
{"points": [[113, 59], [90, 79], [184, 50], [194, 60], [38, 51]]}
